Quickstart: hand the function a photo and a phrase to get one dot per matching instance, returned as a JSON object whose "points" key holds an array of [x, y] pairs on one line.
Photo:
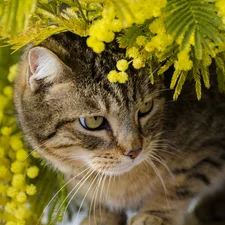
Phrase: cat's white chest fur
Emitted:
{"points": [[127, 191]]}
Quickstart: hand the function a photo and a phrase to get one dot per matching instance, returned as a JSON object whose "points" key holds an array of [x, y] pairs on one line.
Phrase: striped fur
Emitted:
{"points": [[183, 144]]}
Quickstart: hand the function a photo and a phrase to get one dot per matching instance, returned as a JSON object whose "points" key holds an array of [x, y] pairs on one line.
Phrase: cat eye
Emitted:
{"points": [[93, 123], [145, 108]]}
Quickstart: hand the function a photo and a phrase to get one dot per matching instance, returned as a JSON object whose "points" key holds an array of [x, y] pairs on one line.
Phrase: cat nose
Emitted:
{"points": [[134, 152]]}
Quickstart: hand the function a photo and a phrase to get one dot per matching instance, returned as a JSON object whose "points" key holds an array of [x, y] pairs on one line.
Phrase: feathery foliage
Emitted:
{"points": [[181, 33], [157, 34]]}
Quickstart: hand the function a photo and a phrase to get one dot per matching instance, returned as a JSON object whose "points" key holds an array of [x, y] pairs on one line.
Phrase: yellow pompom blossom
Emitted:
{"points": [[21, 155], [115, 19], [122, 65], [161, 40], [17, 167], [11, 192], [138, 63], [6, 131], [220, 4], [132, 52], [35, 154], [141, 40], [15, 185], [31, 189], [183, 60], [120, 77], [21, 197], [32, 172]]}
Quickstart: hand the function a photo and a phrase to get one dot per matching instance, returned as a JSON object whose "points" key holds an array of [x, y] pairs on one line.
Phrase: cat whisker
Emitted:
{"points": [[80, 184], [107, 190], [151, 163], [96, 195], [160, 133], [158, 159], [164, 145], [59, 192], [82, 202], [162, 148], [158, 174], [75, 158], [93, 197], [101, 195]]}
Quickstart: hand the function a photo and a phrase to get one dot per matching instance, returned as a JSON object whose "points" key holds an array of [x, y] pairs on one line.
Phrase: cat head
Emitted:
{"points": [[73, 116]]}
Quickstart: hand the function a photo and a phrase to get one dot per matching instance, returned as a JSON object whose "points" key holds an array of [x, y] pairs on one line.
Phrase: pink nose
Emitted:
{"points": [[134, 153]]}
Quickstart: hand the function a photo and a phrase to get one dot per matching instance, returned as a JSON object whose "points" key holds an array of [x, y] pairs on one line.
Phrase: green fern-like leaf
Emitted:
{"points": [[175, 77], [185, 18], [220, 70], [205, 76], [128, 37], [198, 45], [180, 84], [197, 78]]}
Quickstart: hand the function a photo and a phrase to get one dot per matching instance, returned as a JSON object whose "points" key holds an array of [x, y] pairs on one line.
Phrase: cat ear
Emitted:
{"points": [[44, 67]]}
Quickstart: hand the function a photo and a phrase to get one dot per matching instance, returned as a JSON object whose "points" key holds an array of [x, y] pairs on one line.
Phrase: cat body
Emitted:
{"points": [[121, 146]]}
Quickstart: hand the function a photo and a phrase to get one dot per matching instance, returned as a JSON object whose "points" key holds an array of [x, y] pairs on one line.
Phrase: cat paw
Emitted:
{"points": [[146, 219]]}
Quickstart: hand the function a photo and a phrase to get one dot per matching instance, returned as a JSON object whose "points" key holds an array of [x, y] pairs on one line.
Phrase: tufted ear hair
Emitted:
{"points": [[43, 67]]}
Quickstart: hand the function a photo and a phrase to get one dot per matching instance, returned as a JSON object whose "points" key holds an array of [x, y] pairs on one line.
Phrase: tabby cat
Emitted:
{"points": [[121, 146]]}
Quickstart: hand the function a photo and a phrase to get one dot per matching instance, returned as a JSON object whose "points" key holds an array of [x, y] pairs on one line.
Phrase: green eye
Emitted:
{"points": [[93, 123], [145, 108]]}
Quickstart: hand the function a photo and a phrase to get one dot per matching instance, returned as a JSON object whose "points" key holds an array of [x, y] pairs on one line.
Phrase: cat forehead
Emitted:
{"points": [[98, 96]]}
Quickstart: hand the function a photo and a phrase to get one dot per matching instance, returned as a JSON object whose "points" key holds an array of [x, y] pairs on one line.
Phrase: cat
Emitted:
{"points": [[122, 146]]}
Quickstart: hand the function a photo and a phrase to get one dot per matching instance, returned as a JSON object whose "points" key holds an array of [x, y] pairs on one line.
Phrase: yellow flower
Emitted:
{"points": [[32, 172], [183, 60], [21, 155], [16, 143], [95, 44], [6, 131], [122, 77], [12, 72], [115, 76], [11, 223], [138, 63], [11, 154], [122, 65], [35, 154], [112, 76], [3, 188], [10, 207], [116, 25], [18, 181], [3, 171], [17, 167], [132, 52], [20, 222], [220, 4], [8, 91], [3, 200], [31, 189], [22, 213], [5, 162], [183, 65], [21, 197], [11, 192], [141, 40]]}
